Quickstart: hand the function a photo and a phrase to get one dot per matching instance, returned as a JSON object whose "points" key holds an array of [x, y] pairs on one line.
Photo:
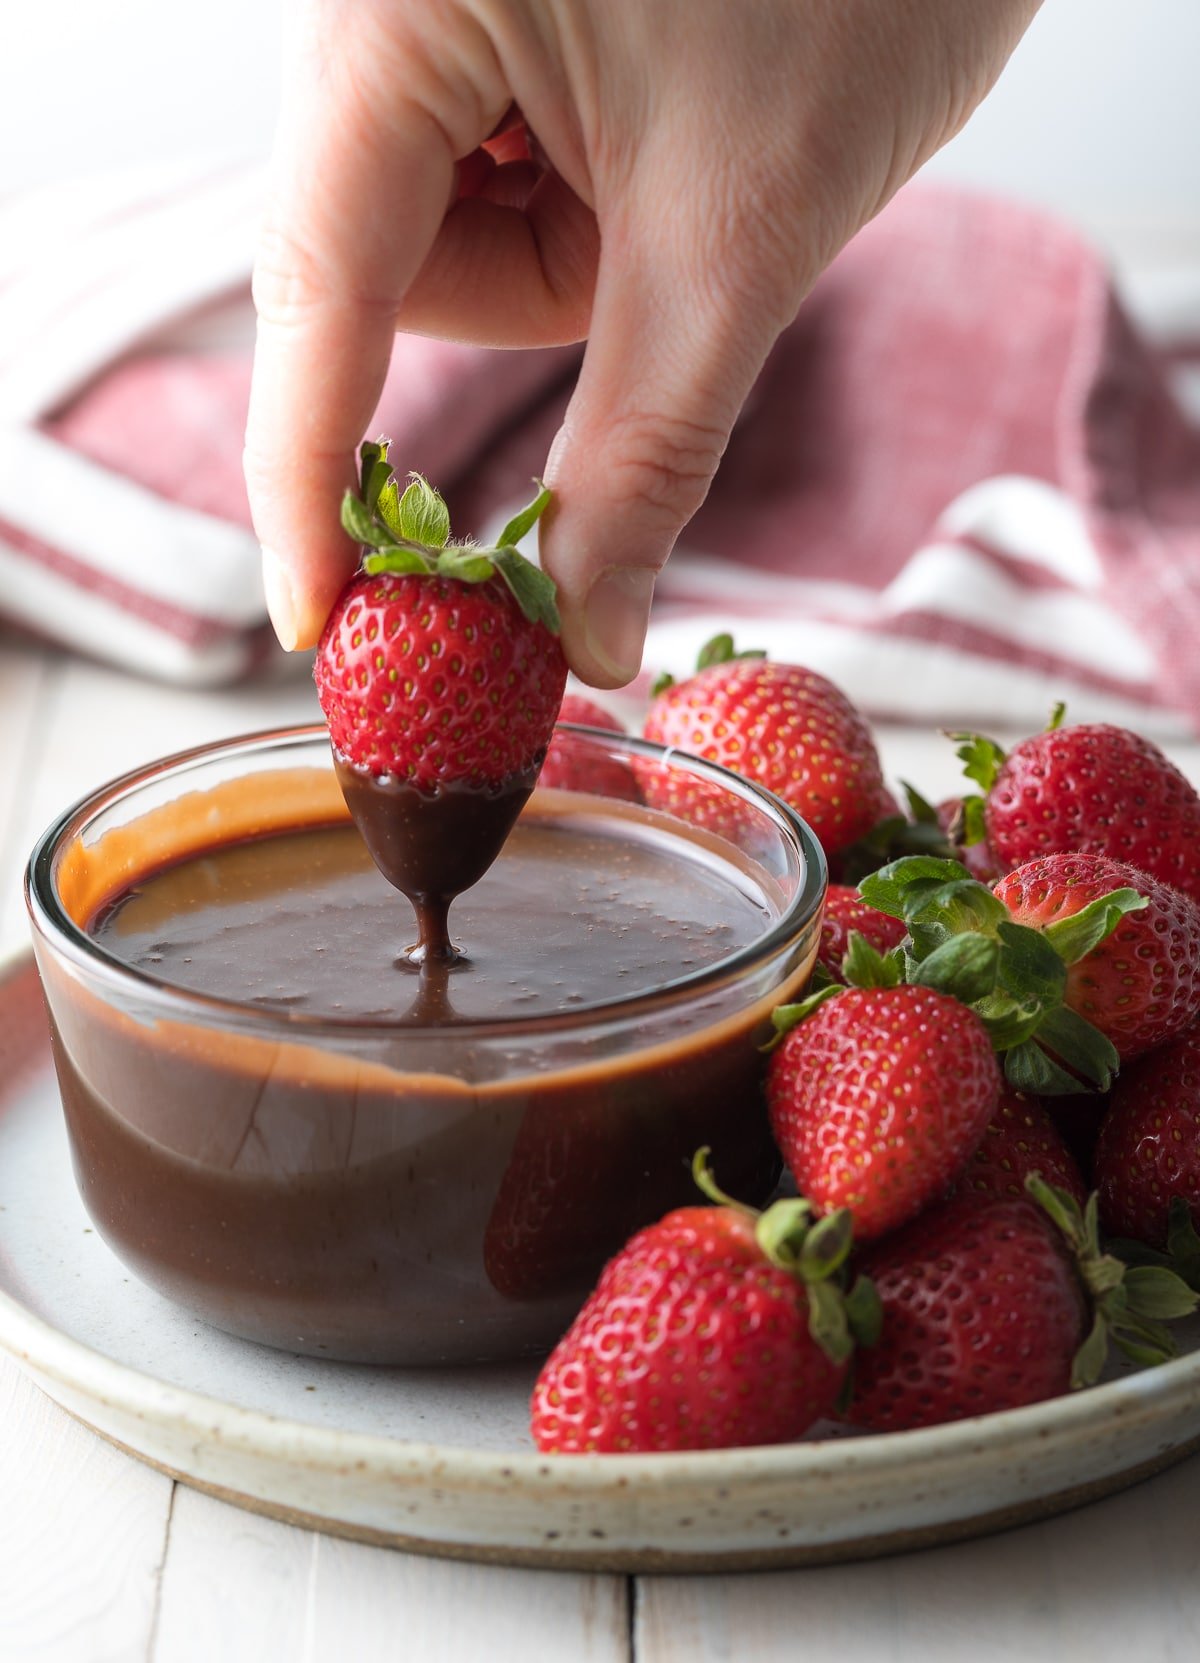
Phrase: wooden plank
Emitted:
{"points": [[82, 1531], [240, 1587], [1117, 1580]]}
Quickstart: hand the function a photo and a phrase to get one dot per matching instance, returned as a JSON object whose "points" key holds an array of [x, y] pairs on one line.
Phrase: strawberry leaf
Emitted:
{"points": [[393, 558], [981, 758], [1057, 712], [1158, 1293], [963, 967], [533, 591], [372, 456], [1029, 968], [902, 888], [466, 564], [865, 966], [972, 828], [920, 808], [864, 1311], [1008, 1021], [660, 683], [424, 517], [721, 650], [786, 1017], [781, 1231], [524, 521], [1027, 1068], [827, 1321], [1080, 1047], [826, 1245], [1089, 1360], [1075, 936], [1183, 1244], [387, 507], [360, 524]]}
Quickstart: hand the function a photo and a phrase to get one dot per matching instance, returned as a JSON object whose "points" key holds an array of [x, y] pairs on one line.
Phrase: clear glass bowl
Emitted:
{"points": [[372, 1191]]}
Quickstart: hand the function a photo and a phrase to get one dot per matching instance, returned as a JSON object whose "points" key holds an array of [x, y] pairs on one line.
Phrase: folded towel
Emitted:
{"points": [[964, 485]]}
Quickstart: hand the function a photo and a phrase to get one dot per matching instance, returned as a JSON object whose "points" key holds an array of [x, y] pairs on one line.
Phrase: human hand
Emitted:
{"points": [[697, 165]]}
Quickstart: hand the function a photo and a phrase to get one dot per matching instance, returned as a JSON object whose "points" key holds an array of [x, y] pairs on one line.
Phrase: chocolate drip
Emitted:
{"points": [[432, 846]]}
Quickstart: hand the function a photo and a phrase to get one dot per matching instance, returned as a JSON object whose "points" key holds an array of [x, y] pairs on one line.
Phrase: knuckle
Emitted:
{"points": [[665, 462], [288, 282]]}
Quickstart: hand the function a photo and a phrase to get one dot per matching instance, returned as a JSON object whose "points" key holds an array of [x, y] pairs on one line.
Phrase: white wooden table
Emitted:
{"points": [[104, 1560]]}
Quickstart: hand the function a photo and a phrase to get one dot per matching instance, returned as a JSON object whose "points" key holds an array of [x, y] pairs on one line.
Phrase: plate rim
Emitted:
{"points": [[48, 1352]]}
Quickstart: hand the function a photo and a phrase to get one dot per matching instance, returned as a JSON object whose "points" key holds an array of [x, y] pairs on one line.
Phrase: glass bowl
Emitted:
{"points": [[405, 1191]]}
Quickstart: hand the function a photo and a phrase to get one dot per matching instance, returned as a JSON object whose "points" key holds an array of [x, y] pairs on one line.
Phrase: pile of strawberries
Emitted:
{"points": [[997, 1058], [996, 1064]]}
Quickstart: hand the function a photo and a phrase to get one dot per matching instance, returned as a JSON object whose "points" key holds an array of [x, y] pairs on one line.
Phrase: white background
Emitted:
{"points": [[1097, 115]]}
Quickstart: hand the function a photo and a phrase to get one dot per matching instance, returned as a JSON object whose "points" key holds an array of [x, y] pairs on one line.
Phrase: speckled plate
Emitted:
{"points": [[440, 1461]]}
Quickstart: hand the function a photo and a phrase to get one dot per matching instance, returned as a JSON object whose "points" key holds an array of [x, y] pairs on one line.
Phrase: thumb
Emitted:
{"points": [[674, 350]]}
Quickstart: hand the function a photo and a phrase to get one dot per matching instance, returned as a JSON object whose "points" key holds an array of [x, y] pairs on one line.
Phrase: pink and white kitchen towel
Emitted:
{"points": [[963, 487]]}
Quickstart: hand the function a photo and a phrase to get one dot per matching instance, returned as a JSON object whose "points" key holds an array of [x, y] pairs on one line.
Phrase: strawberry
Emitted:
{"points": [[1073, 962], [1091, 789], [993, 1302], [780, 725], [573, 764], [845, 912], [1140, 985], [1021, 1138], [982, 1310], [1148, 1152], [439, 664], [715, 1328], [879, 1097], [440, 675]]}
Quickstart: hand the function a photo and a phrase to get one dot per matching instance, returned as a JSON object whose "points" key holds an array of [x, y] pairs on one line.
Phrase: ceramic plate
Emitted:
{"points": [[440, 1460]]}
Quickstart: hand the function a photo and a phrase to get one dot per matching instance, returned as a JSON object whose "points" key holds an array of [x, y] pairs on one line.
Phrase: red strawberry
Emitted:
{"points": [[992, 1302], [878, 1099], [715, 1328], [846, 911], [784, 727], [440, 675], [1140, 985], [574, 764], [1021, 1138], [1149, 1147], [982, 1310], [439, 664], [1092, 789]]}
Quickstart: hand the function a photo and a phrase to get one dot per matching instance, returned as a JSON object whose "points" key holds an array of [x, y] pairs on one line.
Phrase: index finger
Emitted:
{"points": [[360, 181]]}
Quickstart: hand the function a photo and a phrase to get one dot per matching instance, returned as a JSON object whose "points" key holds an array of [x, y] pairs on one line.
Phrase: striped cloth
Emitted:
{"points": [[963, 487]]}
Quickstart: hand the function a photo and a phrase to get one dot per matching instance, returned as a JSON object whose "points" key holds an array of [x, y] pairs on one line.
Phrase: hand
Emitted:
{"points": [[697, 165]]}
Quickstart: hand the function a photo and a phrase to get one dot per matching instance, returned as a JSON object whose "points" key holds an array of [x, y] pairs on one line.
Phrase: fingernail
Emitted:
{"points": [[280, 602], [615, 618]]}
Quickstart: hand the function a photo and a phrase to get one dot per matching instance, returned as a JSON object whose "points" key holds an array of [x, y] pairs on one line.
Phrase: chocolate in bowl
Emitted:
{"points": [[281, 1123]]}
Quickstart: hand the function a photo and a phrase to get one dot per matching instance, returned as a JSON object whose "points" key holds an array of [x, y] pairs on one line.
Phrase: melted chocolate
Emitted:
{"points": [[570, 916], [399, 1193]]}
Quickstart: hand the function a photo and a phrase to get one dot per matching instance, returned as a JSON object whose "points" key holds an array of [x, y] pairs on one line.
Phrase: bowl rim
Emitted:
{"points": [[51, 921]]}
